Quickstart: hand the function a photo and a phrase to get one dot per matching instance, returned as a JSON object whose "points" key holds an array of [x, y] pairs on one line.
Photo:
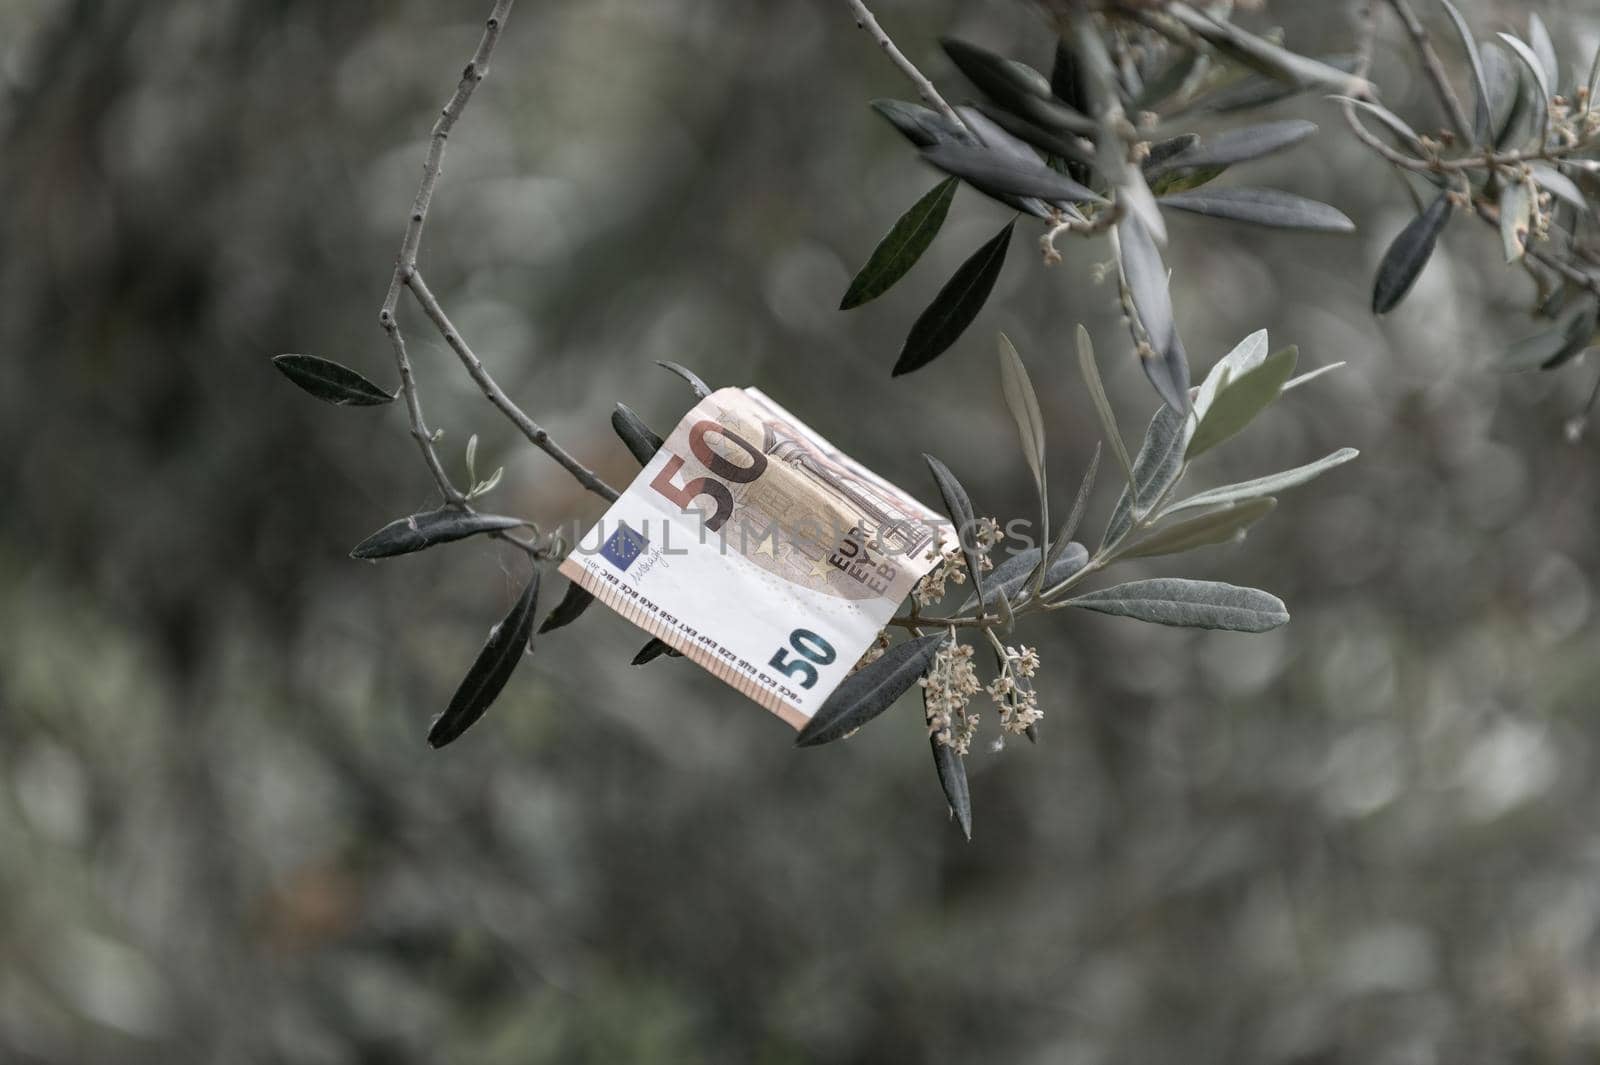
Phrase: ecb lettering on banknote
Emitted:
{"points": [[760, 551]]}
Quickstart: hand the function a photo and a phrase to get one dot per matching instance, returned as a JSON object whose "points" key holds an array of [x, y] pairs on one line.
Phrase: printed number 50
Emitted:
{"points": [[705, 486], [806, 644]]}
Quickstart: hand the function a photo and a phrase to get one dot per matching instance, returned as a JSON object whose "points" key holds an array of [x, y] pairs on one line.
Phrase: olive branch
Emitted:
{"points": [[1097, 176]]}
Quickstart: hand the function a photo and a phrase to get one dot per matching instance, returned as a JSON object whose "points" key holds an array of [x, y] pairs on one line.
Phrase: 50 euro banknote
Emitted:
{"points": [[760, 551]]}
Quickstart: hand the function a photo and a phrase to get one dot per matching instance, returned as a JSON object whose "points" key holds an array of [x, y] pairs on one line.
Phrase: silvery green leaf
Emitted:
{"points": [[1102, 405], [331, 382], [1258, 90], [1193, 604], [1397, 125], [958, 506], [956, 305], [1066, 146], [1161, 152], [1531, 61], [488, 484], [870, 690], [1240, 145], [1594, 77], [1269, 485], [1481, 115], [1003, 80], [1146, 277], [1079, 505], [1217, 527], [501, 653], [1154, 471], [1245, 356], [902, 246], [1301, 72], [1559, 185], [570, 609], [1241, 399], [1169, 79], [420, 531], [1516, 218], [952, 770], [1000, 174], [1544, 49], [1409, 253], [1262, 207], [472, 457], [922, 126], [700, 388], [1010, 578], [1024, 406], [1310, 375], [642, 442], [1503, 79]]}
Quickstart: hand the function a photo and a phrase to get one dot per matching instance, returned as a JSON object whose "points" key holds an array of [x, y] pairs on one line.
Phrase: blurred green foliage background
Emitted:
{"points": [[1367, 837]]}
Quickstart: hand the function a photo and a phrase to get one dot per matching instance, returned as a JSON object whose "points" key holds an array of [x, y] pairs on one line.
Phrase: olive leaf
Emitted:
{"points": [[959, 507], [1397, 125], [1544, 48], [1238, 146], [654, 650], [1262, 55], [1219, 526], [1480, 117], [405, 535], [1163, 151], [570, 609], [1559, 185], [1010, 577], [1146, 277], [1516, 217], [922, 126], [902, 246], [952, 770], [1309, 376], [1001, 174], [1154, 471], [1271, 484], [1023, 403], [1262, 207], [1409, 253], [1188, 603], [1064, 146], [642, 442], [507, 643], [700, 388], [331, 382], [1240, 399], [1258, 90], [1102, 405], [870, 690], [1531, 61], [956, 305], [1015, 86], [1079, 506]]}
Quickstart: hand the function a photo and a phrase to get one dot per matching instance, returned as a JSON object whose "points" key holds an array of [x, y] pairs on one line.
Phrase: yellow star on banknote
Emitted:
{"points": [[821, 567]]}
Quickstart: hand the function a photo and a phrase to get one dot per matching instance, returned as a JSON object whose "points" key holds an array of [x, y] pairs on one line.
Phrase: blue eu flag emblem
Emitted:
{"points": [[622, 547]]}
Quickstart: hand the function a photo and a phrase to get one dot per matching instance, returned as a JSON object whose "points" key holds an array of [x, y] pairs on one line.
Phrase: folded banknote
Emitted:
{"points": [[757, 549]]}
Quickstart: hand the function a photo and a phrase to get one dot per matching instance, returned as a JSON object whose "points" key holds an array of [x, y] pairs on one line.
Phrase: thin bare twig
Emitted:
{"points": [[535, 433], [867, 21], [1430, 63], [477, 69]]}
